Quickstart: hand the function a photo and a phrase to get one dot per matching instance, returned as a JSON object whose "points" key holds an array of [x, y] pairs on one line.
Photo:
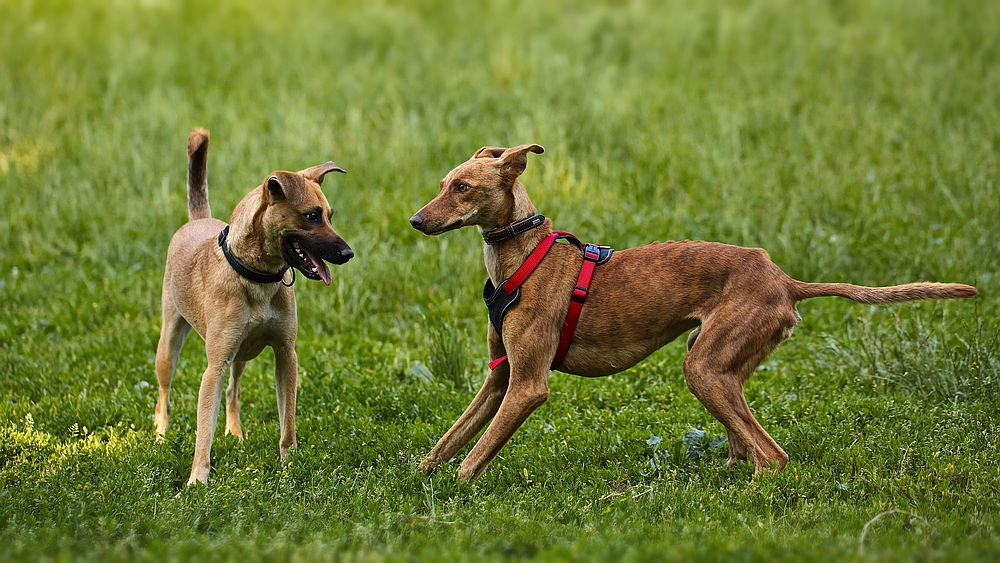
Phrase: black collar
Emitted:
{"points": [[512, 230], [246, 271]]}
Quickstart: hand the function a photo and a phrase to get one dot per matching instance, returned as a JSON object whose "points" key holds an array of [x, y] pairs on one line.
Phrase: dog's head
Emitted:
{"points": [[477, 192], [297, 216]]}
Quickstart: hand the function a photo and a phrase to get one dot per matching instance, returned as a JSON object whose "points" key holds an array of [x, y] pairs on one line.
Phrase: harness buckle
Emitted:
{"points": [[591, 252], [580, 293]]}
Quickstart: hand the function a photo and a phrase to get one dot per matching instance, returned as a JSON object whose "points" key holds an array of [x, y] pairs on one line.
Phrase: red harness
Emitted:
{"points": [[592, 255]]}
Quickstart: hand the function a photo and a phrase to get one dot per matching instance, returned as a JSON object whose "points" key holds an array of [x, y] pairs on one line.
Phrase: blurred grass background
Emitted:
{"points": [[855, 141]]}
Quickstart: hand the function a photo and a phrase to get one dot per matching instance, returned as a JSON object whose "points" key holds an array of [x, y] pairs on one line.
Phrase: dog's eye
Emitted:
{"points": [[313, 217], [462, 188]]}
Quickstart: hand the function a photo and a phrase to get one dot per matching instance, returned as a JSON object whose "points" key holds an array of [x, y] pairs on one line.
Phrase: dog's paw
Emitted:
{"points": [[428, 466], [466, 474], [198, 477], [771, 466], [235, 431]]}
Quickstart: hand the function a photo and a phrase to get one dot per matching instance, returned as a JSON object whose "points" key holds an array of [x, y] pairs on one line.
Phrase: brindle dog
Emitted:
{"points": [[739, 303]]}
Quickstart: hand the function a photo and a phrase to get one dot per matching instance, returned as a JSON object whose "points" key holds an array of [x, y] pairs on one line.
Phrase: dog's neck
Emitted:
{"points": [[504, 258], [248, 240]]}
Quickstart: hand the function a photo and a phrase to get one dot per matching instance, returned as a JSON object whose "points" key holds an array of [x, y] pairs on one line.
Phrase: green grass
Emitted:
{"points": [[855, 141]]}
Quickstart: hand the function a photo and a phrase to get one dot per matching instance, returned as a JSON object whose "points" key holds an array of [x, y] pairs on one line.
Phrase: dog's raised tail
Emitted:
{"points": [[883, 295], [197, 184]]}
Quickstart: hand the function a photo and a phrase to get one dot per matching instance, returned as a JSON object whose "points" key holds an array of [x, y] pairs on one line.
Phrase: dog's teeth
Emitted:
{"points": [[295, 244]]}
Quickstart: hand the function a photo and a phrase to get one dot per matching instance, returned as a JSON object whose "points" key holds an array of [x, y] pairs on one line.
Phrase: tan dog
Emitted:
{"points": [[740, 304], [283, 223]]}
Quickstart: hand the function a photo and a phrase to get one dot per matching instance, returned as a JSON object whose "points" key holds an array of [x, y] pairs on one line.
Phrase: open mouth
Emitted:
{"points": [[299, 256]]}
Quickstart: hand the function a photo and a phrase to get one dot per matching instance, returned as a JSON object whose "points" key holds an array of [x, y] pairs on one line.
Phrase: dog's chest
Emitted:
{"points": [[266, 324]]}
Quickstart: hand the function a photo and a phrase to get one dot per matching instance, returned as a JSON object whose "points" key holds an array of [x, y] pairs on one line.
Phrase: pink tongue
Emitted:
{"points": [[321, 268]]}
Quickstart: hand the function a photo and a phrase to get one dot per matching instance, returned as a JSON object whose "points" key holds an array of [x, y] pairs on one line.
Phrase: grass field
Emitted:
{"points": [[855, 141]]}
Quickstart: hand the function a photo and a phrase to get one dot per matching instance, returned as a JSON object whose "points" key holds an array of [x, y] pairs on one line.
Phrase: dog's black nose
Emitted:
{"points": [[417, 221], [347, 254]]}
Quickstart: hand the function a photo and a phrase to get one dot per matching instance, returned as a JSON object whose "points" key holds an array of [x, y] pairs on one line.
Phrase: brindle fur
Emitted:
{"points": [[740, 304]]}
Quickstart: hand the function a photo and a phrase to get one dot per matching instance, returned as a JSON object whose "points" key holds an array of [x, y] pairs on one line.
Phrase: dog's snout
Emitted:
{"points": [[346, 253], [417, 221]]}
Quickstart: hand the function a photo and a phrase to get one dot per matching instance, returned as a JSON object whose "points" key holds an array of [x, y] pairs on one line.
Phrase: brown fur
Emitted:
{"points": [[740, 304], [236, 317]]}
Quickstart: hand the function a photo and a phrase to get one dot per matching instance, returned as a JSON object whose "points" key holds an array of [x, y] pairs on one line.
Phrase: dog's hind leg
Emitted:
{"points": [[477, 414], [286, 370], [172, 333], [737, 449], [233, 400], [725, 355], [722, 395]]}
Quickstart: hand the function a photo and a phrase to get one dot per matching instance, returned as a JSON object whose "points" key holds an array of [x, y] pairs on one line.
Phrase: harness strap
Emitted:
{"points": [[590, 257], [532, 262], [498, 361]]}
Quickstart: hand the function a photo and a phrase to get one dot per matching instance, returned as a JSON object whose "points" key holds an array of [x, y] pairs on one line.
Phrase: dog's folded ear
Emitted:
{"points": [[489, 152], [286, 185], [316, 173], [515, 159]]}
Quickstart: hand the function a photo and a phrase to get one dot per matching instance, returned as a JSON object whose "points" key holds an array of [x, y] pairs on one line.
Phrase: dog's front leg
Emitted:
{"points": [[209, 399], [286, 374], [479, 411], [528, 390], [222, 343]]}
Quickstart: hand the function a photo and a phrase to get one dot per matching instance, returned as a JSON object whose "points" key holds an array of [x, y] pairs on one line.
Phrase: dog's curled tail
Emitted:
{"points": [[883, 295], [197, 184]]}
